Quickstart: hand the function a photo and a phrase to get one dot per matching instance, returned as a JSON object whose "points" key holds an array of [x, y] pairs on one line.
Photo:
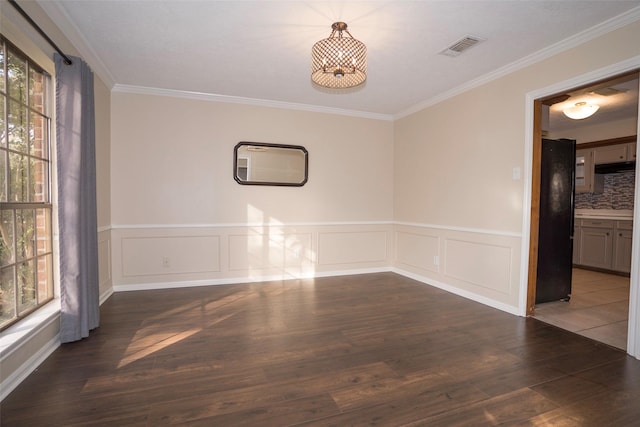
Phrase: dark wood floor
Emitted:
{"points": [[376, 349]]}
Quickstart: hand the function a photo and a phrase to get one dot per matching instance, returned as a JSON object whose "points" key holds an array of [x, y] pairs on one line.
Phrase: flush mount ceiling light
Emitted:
{"points": [[339, 62], [581, 110]]}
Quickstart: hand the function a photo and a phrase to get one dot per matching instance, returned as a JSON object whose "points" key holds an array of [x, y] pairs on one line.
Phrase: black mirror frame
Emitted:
{"points": [[266, 144]]}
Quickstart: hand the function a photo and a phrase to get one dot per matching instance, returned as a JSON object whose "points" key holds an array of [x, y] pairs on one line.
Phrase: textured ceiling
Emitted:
{"points": [[617, 99], [261, 49]]}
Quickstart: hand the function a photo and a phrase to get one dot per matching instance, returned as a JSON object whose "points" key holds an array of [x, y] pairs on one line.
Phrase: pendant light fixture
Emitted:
{"points": [[340, 61], [581, 110]]}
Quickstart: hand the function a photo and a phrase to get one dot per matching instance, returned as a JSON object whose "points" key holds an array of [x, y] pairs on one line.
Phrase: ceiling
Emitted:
{"points": [[616, 97], [260, 50]]}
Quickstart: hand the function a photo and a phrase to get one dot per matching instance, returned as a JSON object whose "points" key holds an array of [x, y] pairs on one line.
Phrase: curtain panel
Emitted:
{"points": [[77, 211]]}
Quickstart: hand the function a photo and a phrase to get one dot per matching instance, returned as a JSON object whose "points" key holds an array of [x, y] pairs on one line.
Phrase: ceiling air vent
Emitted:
{"points": [[609, 91], [461, 45]]}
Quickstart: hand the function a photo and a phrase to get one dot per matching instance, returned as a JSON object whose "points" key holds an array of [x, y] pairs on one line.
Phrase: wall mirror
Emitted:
{"points": [[260, 163]]}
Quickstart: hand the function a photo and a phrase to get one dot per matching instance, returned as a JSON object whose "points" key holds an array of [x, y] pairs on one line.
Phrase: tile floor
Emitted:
{"points": [[598, 309]]}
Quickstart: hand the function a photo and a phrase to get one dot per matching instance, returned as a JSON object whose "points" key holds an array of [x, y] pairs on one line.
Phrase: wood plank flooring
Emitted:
{"points": [[374, 349], [598, 308]]}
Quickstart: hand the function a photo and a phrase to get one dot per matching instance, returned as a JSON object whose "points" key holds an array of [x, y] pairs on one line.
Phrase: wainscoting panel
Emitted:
{"points": [[480, 264], [418, 250], [264, 251], [157, 256], [483, 265], [144, 256], [352, 247]]}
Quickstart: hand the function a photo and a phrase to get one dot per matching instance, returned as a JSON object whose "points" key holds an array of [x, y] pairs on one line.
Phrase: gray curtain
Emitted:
{"points": [[77, 216]]}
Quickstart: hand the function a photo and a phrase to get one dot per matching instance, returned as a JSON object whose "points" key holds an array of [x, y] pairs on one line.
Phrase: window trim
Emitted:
{"points": [[24, 319]]}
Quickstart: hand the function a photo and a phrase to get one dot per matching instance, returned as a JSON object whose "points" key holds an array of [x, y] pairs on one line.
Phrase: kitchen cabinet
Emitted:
{"points": [[622, 246], [603, 244], [631, 151], [596, 243], [610, 154], [576, 242], [587, 158], [615, 153], [586, 180]]}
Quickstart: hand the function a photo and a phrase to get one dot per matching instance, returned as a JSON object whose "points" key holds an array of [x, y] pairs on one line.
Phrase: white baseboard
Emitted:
{"points": [[239, 280], [105, 296], [30, 365], [460, 292]]}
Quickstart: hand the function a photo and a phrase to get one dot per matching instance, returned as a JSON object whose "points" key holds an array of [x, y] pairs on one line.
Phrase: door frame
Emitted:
{"points": [[531, 195]]}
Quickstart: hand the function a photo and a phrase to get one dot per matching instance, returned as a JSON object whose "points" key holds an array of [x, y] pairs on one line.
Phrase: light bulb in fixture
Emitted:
{"points": [[581, 110], [340, 61]]}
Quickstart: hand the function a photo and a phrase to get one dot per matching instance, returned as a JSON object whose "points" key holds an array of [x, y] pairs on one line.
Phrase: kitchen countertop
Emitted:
{"points": [[615, 214]]}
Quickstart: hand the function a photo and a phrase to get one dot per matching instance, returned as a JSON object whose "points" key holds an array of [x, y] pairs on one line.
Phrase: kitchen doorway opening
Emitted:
{"points": [[600, 306]]}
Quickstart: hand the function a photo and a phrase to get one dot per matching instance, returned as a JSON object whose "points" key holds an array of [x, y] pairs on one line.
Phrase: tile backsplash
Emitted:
{"points": [[618, 193]]}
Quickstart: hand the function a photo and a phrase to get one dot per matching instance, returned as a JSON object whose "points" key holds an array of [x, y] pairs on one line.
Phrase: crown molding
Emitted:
{"points": [[596, 31], [59, 16], [211, 97]]}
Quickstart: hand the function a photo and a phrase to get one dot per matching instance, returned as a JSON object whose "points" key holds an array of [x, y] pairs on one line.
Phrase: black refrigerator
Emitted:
{"points": [[555, 233]]}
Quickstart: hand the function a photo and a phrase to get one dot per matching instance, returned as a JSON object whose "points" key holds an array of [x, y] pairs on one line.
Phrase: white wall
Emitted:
{"points": [[180, 218], [103, 184], [455, 195], [454, 192]]}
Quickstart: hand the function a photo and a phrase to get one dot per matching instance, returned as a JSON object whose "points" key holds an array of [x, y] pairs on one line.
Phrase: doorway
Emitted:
{"points": [[596, 311]]}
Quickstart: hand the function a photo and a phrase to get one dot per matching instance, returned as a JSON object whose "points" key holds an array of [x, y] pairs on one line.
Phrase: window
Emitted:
{"points": [[26, 257]]}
